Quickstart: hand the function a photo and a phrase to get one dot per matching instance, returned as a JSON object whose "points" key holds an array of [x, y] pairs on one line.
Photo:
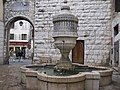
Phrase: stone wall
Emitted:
{"points": [[1, 41], [1, 10], [12, 10], [1, 31], [94, 27]]}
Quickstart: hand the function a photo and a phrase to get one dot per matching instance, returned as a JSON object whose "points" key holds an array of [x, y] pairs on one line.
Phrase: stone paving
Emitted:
{"points": [[10, 78], [115, 85]]}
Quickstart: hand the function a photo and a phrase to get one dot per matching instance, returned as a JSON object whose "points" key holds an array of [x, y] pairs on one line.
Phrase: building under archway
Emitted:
{"points": [[8, 26]]}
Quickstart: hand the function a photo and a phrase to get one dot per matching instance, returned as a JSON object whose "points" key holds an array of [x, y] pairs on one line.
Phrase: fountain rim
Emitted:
{"points": [[80, 77]]}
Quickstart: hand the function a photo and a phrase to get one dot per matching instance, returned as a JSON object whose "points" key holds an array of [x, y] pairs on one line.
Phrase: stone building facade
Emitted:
{"points": [[15, 8], [94, 27]]}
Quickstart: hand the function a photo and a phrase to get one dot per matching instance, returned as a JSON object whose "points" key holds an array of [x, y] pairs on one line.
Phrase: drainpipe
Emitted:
{"points": [[6, 60]]}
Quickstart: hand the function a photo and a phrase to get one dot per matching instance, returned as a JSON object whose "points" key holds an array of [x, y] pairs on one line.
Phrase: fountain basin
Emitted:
{"points": [[88, 80]]}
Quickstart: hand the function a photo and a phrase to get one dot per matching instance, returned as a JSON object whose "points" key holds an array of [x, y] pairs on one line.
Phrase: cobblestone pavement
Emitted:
{"points": [[10, 78]]}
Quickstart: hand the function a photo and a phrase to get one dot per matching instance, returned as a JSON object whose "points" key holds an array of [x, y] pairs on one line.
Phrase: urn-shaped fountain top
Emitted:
{"points": [[65, 23], [65, 14]]}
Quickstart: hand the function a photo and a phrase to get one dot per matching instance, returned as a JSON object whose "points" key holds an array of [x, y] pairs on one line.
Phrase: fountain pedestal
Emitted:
{"points": [[65, 45]]}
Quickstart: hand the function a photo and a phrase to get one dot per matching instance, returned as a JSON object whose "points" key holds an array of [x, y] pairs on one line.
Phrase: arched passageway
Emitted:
{"points": [[8, 26]]}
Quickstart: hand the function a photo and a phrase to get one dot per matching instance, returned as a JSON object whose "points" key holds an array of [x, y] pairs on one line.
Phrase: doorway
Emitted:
{"points": [[78, 52]]}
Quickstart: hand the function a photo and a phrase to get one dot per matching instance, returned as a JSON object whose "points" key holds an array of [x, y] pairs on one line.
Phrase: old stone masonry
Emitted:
{"points": [[94, 21], [94, 27]]}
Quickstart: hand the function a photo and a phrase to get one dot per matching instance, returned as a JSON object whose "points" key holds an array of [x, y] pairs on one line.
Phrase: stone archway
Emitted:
{"points": [[8, 25]]}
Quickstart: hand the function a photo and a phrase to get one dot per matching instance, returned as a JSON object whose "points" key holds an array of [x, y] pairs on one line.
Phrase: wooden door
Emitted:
{"points": [[78, 52]]}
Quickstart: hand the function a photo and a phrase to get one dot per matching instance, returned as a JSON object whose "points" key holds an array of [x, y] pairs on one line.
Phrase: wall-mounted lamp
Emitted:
{"points": [[21, 23]]}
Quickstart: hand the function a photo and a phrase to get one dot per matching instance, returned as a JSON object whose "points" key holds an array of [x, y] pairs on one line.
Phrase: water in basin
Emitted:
{"points": [[49, 70]]}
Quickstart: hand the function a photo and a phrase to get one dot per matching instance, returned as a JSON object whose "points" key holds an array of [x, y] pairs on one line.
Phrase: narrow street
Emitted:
{"points": [[10, 77]]}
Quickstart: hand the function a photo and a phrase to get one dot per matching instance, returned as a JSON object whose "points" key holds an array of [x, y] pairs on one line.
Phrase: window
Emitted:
{"points": [[11, 36], [117, 5], [24, 36], [116, 30]]}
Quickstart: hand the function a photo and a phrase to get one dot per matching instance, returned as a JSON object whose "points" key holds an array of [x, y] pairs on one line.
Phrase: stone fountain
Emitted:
{"points": [[65, 75], [65, 35]]}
